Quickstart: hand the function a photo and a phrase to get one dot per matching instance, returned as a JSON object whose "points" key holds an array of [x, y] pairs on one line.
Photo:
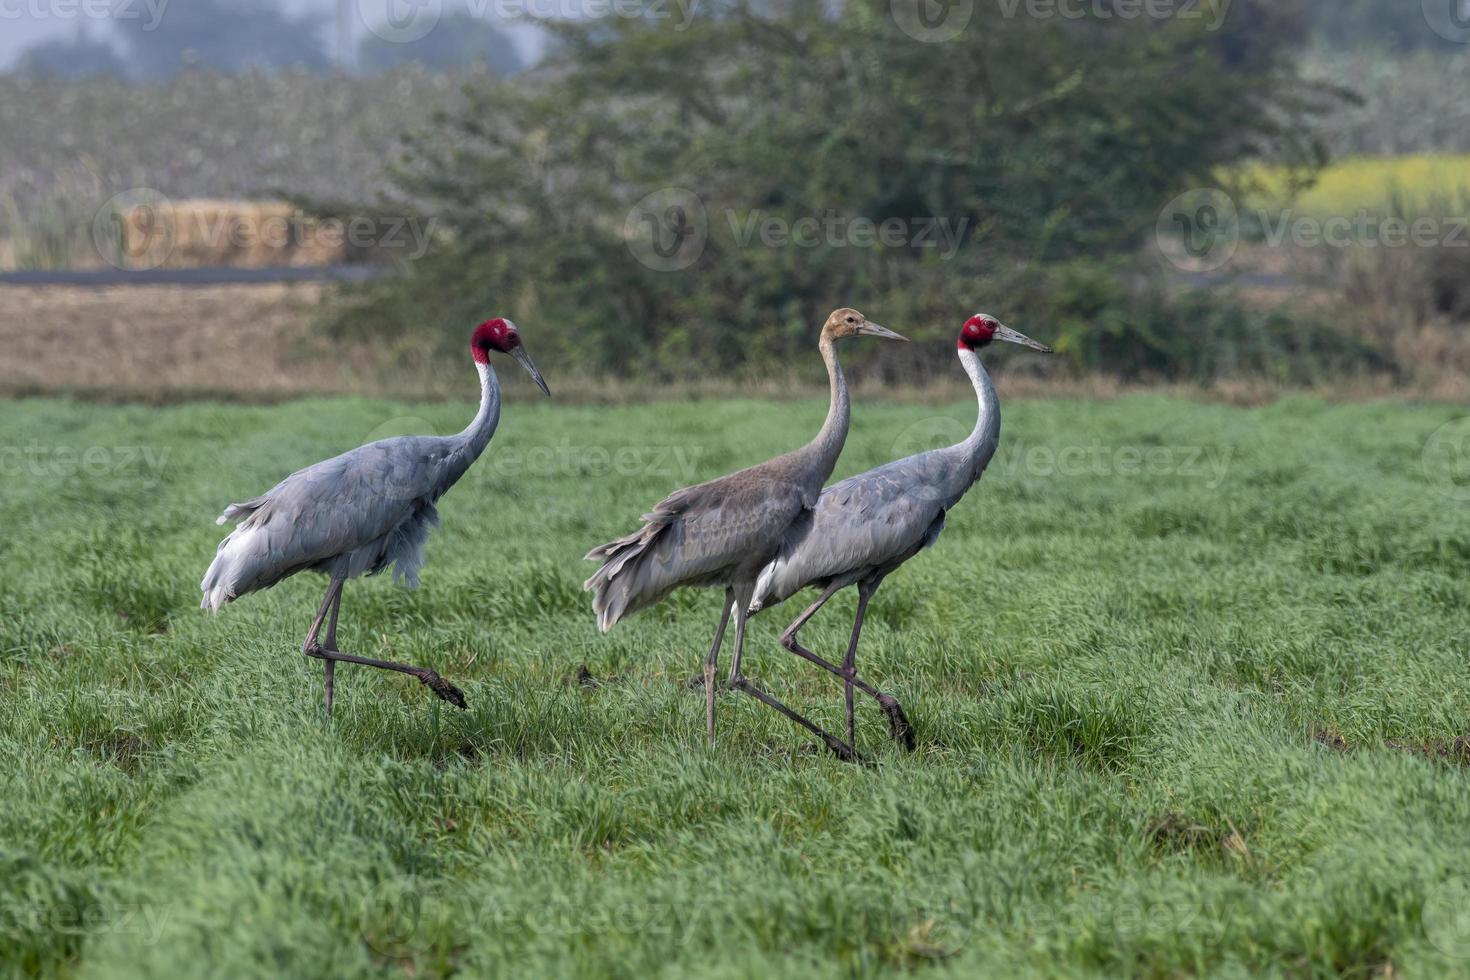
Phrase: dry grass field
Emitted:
{"points": [[167, 343], [258, 343]]}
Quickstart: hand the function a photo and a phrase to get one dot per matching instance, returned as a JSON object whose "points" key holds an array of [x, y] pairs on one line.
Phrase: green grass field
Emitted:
{"points": [[1187, 681]]}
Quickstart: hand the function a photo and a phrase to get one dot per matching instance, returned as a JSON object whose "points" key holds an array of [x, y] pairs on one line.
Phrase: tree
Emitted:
{"points": [[780, 139], [78, 57], [459, 40], [223, 36]]}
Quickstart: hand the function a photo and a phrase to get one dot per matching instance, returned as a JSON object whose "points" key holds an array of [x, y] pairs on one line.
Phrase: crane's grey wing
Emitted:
{"points": [[348, 515], [861, 525], [701, 535]]}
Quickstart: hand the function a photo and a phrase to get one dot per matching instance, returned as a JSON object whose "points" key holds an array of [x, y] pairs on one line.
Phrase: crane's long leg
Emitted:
{"points": [[849, 659], [739, 682], [898, 723], [330, 666], [740, 602], [330, 602], [334, 590], [711, 662]]}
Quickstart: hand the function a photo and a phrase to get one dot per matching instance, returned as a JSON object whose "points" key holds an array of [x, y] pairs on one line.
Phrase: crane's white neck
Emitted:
{"points": [[476, 435], [985, 437]]}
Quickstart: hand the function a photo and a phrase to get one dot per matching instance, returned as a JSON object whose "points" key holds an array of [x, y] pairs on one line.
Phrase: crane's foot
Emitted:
{"points": [[898, 722], [842, 750], [431, 679], [444, 689]]}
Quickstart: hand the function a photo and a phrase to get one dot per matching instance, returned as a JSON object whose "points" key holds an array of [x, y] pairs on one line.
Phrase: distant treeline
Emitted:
{"points": [[672, 196], [224, 36], [149, 42]]}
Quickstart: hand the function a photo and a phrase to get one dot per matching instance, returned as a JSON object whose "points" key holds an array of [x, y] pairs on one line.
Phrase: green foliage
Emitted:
{"points": [[1193, 714], [1107, 326], [1033, 140], [1407, 103]]}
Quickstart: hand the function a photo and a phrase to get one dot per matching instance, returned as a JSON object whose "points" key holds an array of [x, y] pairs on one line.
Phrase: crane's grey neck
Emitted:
{"points": [[983, 440], [476, 435], [827, 446]]}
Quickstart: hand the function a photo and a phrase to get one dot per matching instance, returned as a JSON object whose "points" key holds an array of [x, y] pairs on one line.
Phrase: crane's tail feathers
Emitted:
{"points": [[216, 586], [625, 582], [231, 573], [240, 511]]}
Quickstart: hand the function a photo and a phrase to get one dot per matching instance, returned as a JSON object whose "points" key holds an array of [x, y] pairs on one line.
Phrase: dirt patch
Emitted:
{"points": [[1332, 740], [1455, 752]]}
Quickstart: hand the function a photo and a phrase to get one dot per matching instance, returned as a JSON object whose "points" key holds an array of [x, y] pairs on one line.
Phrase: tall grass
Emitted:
{"points": [[1188, 683]]}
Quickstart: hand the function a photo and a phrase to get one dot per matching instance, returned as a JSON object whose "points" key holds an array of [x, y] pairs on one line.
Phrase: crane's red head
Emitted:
{"points": [[501, 335], [982, 328], [978, 331], [497, 334]]}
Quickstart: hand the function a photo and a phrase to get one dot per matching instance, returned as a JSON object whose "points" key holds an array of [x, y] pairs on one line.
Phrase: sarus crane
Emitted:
{"points": [[357, 513], [868, 525], [722, 533]]}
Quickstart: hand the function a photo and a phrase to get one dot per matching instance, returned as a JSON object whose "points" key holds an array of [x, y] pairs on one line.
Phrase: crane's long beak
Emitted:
{"points": [[520, 354], [1016, 337], [870, 329]]}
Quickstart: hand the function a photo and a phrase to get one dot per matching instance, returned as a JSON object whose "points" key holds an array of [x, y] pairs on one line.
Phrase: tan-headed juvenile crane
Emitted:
{"points": [[722, 533], [866, 526], [358, 513]]}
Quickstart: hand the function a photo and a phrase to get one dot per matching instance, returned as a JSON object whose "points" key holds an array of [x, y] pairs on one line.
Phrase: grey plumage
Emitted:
{"points": [[868, 525], [726, 530], [360, 513], [712, 534], [354, 514], [722, 533]]}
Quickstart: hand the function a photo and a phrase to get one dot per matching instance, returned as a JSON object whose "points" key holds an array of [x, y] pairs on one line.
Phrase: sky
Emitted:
{"points": [[25, 22]]}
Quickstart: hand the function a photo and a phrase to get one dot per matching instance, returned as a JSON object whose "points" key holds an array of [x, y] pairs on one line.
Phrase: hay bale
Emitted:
{"points": [[220, 233]]}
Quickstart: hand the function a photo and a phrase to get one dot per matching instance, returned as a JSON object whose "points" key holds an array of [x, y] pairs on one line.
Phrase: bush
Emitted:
{"points": [[1038, 141], [1150, 332]]}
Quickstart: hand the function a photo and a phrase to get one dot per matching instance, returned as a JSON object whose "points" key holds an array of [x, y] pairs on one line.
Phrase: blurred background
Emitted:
{"points": [[263, 198]]}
